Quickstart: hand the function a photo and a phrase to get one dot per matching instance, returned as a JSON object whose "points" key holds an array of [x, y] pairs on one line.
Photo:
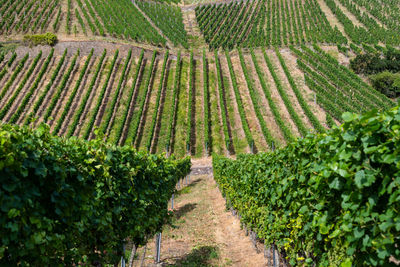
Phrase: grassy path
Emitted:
{"points": [[203, 232]]}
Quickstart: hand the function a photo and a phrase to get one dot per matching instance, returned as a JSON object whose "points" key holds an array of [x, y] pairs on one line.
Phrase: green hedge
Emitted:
{"points": [[40, 39], [326, 199], [70, 202]]}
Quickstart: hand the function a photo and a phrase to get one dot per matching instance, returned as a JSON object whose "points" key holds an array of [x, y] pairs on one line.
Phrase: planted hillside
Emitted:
{"points": [[265, 23], [328, 199], [71, 202]]}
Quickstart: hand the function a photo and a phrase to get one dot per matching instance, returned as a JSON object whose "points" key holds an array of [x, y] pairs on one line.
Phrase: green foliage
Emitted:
{"points": [[12, 58], [68, 201], [129, 24], [387, 83], [372, 63], [326, 199], [263, 23], [255, 97], [40, 39]]}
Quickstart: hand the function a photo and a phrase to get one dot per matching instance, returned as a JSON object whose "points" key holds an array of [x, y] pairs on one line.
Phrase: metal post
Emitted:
{"points": [[172, 202], [123, 256], [158, 248], [273, 256]]}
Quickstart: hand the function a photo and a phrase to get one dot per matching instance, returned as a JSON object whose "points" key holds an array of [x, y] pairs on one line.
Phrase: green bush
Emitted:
{"points": [[387, 83], [70, 202], [331, 199], [40, 39], [372, 63]]}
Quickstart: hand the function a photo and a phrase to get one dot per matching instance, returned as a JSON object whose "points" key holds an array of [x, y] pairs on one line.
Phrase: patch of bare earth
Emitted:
{"points": [[203, 232]]}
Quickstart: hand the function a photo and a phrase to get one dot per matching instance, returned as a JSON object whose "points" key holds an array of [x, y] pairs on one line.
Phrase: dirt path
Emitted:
{"points": [[203, 232]]}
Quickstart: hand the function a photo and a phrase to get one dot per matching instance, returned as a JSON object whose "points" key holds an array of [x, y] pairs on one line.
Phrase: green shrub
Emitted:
{"points": [[387, 83], [331, 199], [40, 39], [70, 202]]}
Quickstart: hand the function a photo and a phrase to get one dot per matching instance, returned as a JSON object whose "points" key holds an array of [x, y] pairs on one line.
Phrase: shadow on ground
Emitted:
{"points": [[198, 257], [186, 188], [184, 209]]}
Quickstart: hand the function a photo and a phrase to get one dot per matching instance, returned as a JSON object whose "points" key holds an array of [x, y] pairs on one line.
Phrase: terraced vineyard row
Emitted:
{"points": [[96, 18], [192, 103], [265, 23]]}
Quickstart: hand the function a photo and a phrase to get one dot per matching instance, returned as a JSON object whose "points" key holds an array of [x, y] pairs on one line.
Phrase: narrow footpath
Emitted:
{"points": [[203, 232]]}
